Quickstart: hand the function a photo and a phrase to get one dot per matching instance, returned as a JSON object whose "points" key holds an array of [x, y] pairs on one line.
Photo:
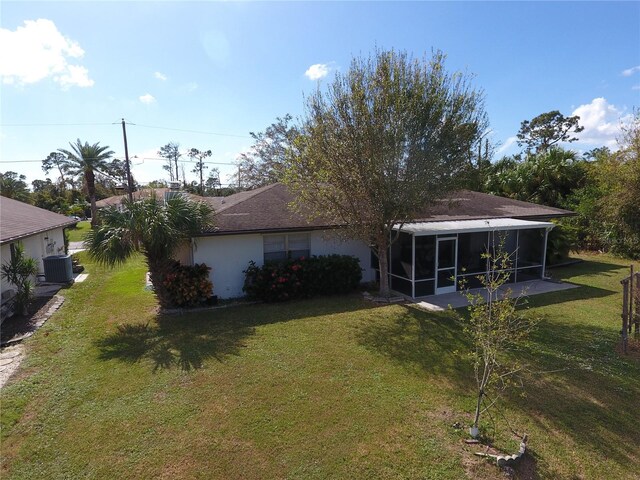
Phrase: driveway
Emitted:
{"points": [[75, 247]]}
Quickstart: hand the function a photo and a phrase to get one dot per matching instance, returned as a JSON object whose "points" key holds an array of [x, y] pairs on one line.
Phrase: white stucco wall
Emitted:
{"points": [[229, 255], [325, 242], [36, 246]]}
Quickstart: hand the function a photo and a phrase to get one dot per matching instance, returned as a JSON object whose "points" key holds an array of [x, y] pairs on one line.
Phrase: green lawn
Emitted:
{"points": [[326, 388], [77, 234]]}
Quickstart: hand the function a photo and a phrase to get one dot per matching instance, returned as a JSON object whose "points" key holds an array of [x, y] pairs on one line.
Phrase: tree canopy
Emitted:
{"points": [[85, 159], [548, 129], [383, 141], [13, 185], [151, 226], [264, 163]]}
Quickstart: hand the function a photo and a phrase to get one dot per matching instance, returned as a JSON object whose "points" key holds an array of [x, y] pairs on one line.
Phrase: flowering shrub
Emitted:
{"points": [[186, 285], [302, 278]]}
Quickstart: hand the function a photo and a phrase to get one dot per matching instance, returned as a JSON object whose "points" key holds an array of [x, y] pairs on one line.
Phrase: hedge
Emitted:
{"points": [[302, 278]]}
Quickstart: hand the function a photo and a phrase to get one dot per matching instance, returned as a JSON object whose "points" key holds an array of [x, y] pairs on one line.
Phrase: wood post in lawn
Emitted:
{"points": [[635, 300], [625, 311], [630, 306], [631, 302]]}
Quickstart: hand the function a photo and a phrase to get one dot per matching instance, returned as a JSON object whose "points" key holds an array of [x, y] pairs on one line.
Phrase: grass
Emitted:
{"points": [[325, 388], [77, 233]]}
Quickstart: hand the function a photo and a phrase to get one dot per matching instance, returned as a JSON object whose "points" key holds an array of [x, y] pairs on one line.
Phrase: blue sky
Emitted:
{"points": [[172, 69]]}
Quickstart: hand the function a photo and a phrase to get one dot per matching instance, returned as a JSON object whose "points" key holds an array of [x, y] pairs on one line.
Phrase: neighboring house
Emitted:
{"points": [[40, 231], [142, 194], [430, 255]]}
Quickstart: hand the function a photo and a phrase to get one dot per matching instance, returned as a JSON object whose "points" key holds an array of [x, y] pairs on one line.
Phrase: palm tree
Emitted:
{"points": [[85, 160], [151, 226]]}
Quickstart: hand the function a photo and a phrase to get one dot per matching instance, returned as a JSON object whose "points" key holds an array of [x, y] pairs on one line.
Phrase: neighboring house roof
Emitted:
{"points": [[19, 220], [266, 209], [140, 195]]}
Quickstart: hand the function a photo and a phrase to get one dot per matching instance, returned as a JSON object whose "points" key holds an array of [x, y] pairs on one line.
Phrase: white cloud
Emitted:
{"points": [[39, 51], [636, 87], [601, 122], [317, 71], [147, 99], [506, 145], [630, 71], [160, 76]]}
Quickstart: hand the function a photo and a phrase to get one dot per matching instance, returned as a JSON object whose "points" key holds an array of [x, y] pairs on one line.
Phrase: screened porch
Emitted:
{"points": [[430, 258]]}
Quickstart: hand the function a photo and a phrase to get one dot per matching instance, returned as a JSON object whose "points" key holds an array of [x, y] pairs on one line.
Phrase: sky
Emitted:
{"points": [[206, 74]]}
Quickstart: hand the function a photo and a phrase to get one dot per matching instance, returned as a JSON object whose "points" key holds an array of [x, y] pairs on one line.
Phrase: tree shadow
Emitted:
{"points": [[577, 384], [586, 268], [583, 292], [584, 388], [423, 341], [187, 341]]}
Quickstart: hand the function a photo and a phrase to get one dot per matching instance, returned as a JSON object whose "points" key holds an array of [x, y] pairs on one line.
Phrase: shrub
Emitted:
{"points": [[302, 278], [186, 285], [19, 271]]}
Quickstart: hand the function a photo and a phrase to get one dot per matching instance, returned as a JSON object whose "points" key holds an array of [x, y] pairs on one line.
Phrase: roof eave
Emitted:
{"points": [[36, 232]]}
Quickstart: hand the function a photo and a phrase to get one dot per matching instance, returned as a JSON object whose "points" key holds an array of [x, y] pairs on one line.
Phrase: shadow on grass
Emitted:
{"points": [[431, 342], [583, 292], [590, 391], [578, 384], [588, 267], [187, 341]]}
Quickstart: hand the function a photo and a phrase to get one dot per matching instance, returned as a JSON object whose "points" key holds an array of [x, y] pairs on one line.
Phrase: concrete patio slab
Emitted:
{"points": [[439, 303]]}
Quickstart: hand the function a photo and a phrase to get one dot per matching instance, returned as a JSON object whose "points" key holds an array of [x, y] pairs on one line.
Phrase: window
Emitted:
{"points": [[282, 247]]}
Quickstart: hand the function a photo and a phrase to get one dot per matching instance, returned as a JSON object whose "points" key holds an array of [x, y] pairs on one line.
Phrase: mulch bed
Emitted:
{"points": [[20, 326]]}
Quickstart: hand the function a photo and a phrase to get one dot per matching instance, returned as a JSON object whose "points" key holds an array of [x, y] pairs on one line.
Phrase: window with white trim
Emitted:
{"points": [[282, 247]]}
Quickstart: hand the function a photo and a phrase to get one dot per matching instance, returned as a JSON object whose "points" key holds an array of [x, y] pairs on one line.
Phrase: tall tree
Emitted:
{"points": [[547, 178], [171, 151], [212, 184], [199, 168], [58, 161], [264, 163], [548, 129], [13, 185], [151, 226], [382, 142], [86, 160]]}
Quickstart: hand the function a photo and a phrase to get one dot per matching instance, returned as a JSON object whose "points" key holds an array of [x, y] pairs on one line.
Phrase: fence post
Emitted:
{"points": [[631, 302], [636, 313], [625, 311]]}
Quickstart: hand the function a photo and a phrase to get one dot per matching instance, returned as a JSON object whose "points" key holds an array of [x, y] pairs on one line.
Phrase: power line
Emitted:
{"points": [[201, 132], [52, 124], [157, 159], [192, 131]]}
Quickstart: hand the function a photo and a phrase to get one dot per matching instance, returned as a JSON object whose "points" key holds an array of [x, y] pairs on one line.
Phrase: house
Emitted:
{"points": [[40, 231], [144, 193], [431, 254]]}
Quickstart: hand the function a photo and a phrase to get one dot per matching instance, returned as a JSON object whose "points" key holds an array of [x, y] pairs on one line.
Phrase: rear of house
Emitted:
{"points": [[430, 255]]}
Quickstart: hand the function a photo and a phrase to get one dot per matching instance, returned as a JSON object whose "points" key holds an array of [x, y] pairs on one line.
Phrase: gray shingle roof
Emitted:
{"points": [[140, 194], [266, 209], [19, 220]]}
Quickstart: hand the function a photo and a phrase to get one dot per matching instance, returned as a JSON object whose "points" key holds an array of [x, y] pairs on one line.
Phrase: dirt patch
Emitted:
{"points": [[480, 468]]}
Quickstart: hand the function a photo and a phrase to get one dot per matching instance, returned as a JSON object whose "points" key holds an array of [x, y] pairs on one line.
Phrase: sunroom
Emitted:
{"points": [[432, 258]]}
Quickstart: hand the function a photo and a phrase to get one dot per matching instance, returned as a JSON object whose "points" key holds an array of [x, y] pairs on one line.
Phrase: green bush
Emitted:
{"points": [[186, 285], [561, 241], [302, 278]]}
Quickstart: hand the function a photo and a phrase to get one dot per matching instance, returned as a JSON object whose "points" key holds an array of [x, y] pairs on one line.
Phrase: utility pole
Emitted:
{"points": [[126, 156]]}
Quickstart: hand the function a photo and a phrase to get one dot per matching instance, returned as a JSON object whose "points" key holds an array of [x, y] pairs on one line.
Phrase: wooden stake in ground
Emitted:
{"points": [[625, 311]]}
